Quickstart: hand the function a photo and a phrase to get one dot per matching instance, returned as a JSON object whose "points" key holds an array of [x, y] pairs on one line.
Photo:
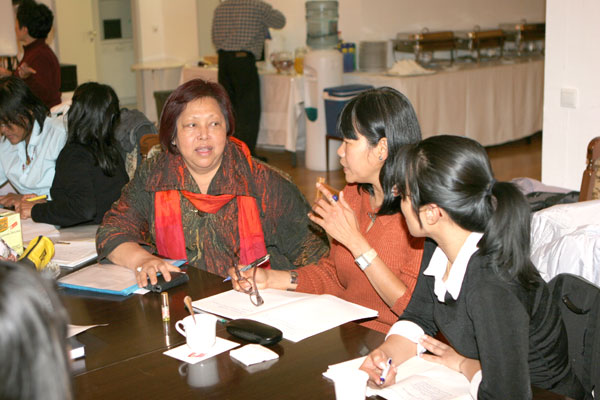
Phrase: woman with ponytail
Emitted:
{"points": [[89, 170], [477, 285]]}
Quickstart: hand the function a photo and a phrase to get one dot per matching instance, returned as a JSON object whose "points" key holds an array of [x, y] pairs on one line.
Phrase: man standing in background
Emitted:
{"points": [[39, 67], [238, 33]]}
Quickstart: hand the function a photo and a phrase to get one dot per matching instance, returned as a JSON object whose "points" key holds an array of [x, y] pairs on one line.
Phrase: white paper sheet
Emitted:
{"points": [[184, 353], [416, 379], [73, 253], [73, 330], [31, 230], [297, 315]]}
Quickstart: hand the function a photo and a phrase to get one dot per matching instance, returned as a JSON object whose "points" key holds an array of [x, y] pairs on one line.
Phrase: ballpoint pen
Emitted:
{"points": [[386, 371], [253, 264]]}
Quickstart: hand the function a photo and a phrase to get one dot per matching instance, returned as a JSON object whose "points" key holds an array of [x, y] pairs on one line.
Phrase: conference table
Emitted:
{"points": [[124, 359]]}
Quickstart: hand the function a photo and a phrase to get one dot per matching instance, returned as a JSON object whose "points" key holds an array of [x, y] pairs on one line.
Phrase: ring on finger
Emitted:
{"points": [[139, 269]]}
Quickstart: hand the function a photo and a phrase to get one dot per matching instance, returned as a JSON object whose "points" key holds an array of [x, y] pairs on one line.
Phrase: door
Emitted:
{"points": [[115, 54], [77, 37]]}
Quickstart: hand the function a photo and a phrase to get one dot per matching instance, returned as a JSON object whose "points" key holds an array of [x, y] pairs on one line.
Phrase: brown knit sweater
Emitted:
{"points": [[337, 273]]}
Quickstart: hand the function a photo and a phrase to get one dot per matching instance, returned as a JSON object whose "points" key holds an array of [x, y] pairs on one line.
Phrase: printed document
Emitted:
{"points": [[73, 253], [297, 315]]}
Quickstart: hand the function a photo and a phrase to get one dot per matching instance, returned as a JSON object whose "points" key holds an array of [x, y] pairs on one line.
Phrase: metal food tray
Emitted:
{"points": [[425, 42], [477, 40], [523, 33]]}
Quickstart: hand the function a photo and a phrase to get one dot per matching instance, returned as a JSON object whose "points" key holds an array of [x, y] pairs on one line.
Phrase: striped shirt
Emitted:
{"points": [[242, 25]]}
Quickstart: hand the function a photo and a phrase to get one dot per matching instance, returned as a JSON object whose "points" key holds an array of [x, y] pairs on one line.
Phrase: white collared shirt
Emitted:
{"points": [[43, 149], [453, 284]]}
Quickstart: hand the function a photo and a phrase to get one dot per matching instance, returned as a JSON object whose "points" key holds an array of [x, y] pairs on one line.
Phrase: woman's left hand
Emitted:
{"points": [[446, 355], [11, 200], [336, 217]]}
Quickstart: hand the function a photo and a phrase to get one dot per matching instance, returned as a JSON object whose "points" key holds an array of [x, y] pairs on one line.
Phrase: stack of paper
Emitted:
{"points": [[103, 278], [74, 253], [297, 315], [416, 379]]}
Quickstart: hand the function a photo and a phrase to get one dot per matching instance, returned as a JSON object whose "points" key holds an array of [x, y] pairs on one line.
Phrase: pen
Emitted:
{"points": [[42, 197], [386, 371], [253, 264]]}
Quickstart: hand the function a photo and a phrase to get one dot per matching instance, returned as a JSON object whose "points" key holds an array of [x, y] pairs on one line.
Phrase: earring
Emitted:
{"points": [[173, 143], [380, 157]]}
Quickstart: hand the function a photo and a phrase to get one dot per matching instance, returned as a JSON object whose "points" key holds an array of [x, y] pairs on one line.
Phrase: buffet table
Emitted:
{"points": [[282, 122], [493, 103]]}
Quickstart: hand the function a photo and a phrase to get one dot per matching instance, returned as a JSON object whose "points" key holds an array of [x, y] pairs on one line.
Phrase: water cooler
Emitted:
{"points": [[323, 68]]}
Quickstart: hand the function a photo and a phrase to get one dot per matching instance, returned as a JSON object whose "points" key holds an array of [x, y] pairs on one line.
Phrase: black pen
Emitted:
{"points": [[253, 264]]}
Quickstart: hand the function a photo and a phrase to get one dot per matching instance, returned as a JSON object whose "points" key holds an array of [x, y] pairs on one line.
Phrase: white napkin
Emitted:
{"points": [[184, 353], [253, 354]]}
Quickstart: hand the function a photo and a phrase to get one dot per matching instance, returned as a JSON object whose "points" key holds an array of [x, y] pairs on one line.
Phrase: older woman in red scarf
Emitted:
{"points": [[206, 200]]}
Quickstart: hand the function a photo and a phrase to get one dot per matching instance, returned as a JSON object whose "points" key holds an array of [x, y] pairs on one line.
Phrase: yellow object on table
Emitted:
{"points": [[10, 230], [39, 252]]}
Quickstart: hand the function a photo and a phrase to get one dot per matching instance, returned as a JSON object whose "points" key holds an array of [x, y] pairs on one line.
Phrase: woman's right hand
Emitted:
{"points": [[148, 268], [244, 285], [374, 364], [265, 278]]}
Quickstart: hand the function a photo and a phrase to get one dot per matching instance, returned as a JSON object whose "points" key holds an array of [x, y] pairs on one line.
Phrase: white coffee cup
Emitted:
{"points": [[350, 384], [200, 335]]}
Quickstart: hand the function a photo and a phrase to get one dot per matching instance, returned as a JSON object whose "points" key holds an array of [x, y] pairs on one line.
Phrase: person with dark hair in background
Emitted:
{"points": [[39, 67], [206, 200], [33, 343], [90, 172], [239, 30], [477, 285], [30, 141], [373, 261]]}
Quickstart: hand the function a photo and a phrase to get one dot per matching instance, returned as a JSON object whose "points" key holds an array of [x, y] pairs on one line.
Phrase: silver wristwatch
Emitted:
{"points": [[365, 259]]}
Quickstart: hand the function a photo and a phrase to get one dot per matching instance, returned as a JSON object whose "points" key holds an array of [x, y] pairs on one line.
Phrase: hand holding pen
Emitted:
{"points": [[253, 264], [380, 368]]}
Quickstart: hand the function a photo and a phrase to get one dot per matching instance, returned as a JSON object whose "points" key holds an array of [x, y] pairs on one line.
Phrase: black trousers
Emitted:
{"points": [[239, 76]]}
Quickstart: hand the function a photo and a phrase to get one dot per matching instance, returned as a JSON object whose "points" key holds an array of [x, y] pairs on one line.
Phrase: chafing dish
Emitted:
{"points": [[477, 40], [525, 36], [424, 44]]}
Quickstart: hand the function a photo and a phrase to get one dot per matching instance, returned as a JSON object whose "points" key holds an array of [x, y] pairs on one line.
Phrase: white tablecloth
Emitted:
{"points": [[493, 103], [282, 122], [566, 238]]}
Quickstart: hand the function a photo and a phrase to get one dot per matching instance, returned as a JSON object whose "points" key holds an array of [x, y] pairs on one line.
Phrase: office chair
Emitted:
{"points": [[579, 304]]}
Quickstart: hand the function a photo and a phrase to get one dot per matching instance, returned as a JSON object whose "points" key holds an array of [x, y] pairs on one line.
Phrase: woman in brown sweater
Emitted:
{"points": [[373, 261]]}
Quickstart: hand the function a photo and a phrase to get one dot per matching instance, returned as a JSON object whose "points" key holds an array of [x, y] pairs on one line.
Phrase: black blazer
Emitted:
{"points": [[517, 335], [81, 192]]}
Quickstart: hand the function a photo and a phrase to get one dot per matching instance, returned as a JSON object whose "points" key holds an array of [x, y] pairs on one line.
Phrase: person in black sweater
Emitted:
{"points": [[477, 285], [89, 170]]}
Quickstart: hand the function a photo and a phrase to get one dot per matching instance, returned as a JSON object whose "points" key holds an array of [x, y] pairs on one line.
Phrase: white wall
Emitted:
{"points": [[166, 29], [572, 61], [205, 16]]}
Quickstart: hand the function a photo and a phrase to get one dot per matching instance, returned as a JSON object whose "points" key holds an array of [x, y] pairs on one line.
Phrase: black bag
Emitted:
{"points": [[540, 200], [579, 304]]}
